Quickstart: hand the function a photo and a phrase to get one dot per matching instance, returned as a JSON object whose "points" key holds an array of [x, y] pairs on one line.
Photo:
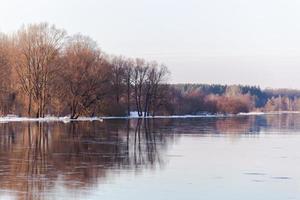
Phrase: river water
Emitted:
{"points": [[242, 157]]}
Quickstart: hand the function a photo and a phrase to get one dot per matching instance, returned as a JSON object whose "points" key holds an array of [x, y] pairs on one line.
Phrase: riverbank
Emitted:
{"points": [[66, 119]]}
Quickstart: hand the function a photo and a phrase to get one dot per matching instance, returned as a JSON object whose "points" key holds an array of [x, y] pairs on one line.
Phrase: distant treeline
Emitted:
{"points": [[44, 71], [204, 98]]}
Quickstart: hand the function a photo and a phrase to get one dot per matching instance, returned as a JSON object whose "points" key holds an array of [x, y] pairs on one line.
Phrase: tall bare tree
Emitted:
{"points": [[154, 85], [139, 77], [128, 73], [118, 64], [83, 76], [39, 46], [7, 92]]}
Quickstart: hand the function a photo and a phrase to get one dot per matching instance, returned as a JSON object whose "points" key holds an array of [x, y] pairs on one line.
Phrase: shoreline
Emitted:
{"points": [[66, 119]]}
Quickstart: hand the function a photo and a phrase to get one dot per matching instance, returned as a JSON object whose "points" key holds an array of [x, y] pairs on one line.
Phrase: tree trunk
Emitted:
{"points": [[128, 97], [29, 105]]}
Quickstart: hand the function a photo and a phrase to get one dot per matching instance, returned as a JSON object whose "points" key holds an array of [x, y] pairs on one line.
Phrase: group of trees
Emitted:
{"points": [[283, 103], [193, 99], [44, 71], [203, 98]]}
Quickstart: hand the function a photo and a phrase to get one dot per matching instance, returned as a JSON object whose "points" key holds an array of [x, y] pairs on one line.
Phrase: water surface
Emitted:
{"points": [[243, 157]]}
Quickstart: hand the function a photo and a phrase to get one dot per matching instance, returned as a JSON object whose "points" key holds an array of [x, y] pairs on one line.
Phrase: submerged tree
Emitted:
{"points": [[148, 82], [139, 78], [156, 77]]}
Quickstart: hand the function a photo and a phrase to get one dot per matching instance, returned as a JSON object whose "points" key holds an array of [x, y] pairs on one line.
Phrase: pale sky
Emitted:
{"points": [[254, 42]]}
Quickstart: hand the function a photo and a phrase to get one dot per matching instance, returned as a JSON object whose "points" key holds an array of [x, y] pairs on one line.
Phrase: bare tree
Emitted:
{"points": [[39, 46], [156, 75], [118, 65], [84, 73], [128, 72], [155, 96], [139, 77], [7, 93]]}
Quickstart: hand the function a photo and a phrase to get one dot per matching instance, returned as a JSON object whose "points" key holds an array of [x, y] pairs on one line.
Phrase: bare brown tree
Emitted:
{"points": [[7, 92], [139, 77], [156, 96], [39, 46], [128, 72], [85, 72], [118, 76]]}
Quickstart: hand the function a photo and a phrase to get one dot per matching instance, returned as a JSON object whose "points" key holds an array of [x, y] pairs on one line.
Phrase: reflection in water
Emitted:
{"points": [[36, 156], [38, 159]]}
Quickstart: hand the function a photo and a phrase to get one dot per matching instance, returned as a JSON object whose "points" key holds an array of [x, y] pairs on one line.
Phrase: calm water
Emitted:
{"points": [[250, 157]]}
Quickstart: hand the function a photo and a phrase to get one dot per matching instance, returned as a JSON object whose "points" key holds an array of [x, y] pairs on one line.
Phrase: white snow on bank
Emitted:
{"points": [[66, 119], [133, 115], [269, 113], [252, 113]]}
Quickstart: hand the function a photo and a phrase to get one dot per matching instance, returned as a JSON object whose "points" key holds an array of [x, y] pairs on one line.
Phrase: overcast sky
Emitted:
{"points": [[253, 42]]}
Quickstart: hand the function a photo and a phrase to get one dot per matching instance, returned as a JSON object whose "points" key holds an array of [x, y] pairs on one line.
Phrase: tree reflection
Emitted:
{"points": [[35, 157]]}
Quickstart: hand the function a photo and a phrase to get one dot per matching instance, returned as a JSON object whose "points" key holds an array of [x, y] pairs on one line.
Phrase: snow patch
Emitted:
{"points": [[66, 119], [252, 113], [133, 115]]}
